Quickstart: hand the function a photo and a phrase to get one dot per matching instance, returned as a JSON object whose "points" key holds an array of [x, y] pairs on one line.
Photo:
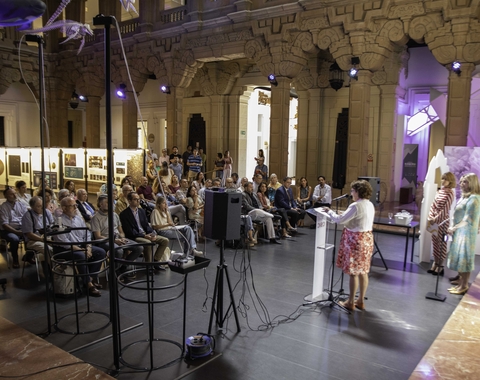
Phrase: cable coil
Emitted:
{"points": [[200, 345]]}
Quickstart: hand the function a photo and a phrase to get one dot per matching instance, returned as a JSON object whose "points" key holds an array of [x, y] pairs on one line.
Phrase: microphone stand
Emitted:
{"points": [[341, 292]]}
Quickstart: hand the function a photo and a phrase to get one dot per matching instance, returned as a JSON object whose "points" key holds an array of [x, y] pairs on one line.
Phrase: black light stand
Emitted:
{"points": [[107, 22], [39, 40], [222, 268]]}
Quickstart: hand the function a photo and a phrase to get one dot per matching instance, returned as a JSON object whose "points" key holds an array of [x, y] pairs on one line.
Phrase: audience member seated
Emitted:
{"points": [[122, 202], [11, 213], [236, 180], [199, 182], [145, 191], [267, 206], [230, 187], [64, 193], [22, 195], [32, 226], [151, 172], [166, 173], [84, 206], [284, 199], [251, 206], [195, 206], [39, 190], [181, 193], [258, 179], [128, 180], [135, 225], [50, 202], [70, 186], [322, 195], [174, 184], [208, 185], [162, 222], [175, 209], [304, 196], [81, 251], [100, 231], [272, 187]]}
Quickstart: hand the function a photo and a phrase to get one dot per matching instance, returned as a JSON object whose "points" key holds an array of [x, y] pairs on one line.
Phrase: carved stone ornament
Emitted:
{"points": [[407, 10], [379, 77]]}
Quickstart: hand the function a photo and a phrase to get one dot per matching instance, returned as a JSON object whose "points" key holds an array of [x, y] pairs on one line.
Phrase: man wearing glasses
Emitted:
{"points": [[136, 227], [81, 251]]}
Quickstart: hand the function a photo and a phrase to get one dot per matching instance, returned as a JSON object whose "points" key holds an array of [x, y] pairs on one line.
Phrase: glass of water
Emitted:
{"points": [[390, 217]]}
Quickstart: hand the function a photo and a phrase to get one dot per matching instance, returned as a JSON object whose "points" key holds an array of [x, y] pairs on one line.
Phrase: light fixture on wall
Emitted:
{"points": [[165, 89], [456, 67], [83, 98], [122, 91], [353, 72], [74, 100], [272, 79], [335, 76]]}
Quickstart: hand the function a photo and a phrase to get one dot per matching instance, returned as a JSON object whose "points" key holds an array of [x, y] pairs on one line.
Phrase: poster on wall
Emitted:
{"points": [[52, 167], [97, 165], [73, 163], [410, 163], [18, 165], [127, 162], [462, 160]]}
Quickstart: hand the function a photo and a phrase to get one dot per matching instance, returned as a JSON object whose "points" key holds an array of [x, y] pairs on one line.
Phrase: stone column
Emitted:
{"points": [[176, 131], [458, 106], [358, 125], [218, 127], [129, 115], [279, 122], [76, 11], [235, 136], [111, 8], [93, 122], [387, 132], [148, 14]]}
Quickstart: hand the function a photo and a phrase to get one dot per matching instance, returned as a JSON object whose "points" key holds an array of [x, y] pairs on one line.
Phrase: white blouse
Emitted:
{"points": [[358, 217]]}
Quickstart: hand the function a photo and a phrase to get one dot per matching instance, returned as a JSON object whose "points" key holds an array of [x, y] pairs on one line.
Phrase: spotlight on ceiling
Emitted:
{"points": [[122, 91], [353, 72], [165, 89], [272, 80], [456, 66], [74, 100]]}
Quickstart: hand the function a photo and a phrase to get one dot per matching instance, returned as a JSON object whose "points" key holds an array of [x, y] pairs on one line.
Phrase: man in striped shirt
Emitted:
{"points": [[194, 164]]}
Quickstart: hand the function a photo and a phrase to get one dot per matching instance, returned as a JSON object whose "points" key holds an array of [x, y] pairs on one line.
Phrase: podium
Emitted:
{"points": [[321, 247]]}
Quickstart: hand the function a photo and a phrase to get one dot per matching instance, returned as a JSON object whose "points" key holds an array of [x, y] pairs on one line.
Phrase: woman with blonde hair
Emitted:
{"points": [[438, 221], [461, 256]]}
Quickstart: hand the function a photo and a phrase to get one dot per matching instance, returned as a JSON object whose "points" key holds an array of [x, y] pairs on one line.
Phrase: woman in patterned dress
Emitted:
{"points": [[356, 244], [461, 256], [439, 212]]}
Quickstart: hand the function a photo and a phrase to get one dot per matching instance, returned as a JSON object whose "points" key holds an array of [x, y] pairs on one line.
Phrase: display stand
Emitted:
{"points": [[435, 296], [321, 246]]}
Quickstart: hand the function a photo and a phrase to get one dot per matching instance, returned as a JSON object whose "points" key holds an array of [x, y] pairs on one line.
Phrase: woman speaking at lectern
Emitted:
{"points": [[356, 244]]}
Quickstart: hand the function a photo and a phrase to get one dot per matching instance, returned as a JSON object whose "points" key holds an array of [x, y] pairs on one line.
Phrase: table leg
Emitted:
{"points": [[413, 243], [406, 250]]}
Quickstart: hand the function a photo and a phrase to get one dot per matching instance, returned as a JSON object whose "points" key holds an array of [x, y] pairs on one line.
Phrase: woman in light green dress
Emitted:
{"points": [[461, 256]]}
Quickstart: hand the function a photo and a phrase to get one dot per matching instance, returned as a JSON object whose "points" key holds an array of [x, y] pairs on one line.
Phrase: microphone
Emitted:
{"points": [[342, 197]]}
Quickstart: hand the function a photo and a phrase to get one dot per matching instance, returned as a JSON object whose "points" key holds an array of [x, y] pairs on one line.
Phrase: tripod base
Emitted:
{"points": [[436, 297], [321, 297]]}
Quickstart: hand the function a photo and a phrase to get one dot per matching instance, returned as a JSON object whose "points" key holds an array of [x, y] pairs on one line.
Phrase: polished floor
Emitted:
{"points": [[279, 338]]}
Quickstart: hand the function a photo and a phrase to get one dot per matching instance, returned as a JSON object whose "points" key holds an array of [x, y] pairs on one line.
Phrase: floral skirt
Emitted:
{"points": [[355, 253]]}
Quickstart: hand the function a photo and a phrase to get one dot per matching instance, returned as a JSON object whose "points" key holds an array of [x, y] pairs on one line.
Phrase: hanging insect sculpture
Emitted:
{"points": [[72, 29], [20, 12], [128, 5]]}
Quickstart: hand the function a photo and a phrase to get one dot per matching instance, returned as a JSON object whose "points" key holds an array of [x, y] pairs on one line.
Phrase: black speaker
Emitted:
{"points": [[222, 215], [375, 183]]}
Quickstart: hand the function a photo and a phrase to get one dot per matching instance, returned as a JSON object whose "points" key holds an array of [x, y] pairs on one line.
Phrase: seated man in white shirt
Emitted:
{"points": [[32, 224], [208, 185], [322, 195], [84, 206], [100, 231]]}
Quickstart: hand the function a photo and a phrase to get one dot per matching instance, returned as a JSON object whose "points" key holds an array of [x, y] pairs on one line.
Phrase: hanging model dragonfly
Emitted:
{"points": [[128, 5], [20, 12]]}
